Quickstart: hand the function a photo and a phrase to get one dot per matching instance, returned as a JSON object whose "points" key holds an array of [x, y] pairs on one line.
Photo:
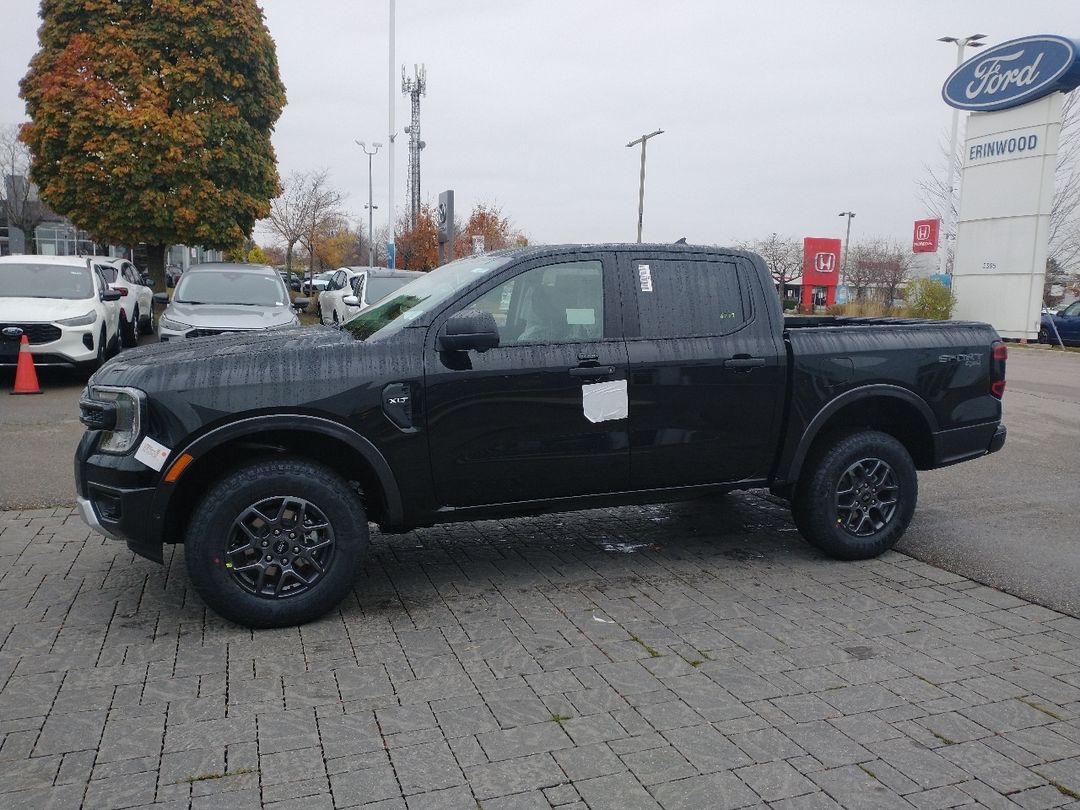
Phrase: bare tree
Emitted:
{"points": [[21, 208], [1064, 239], [308, 203], [878, 268], [783, 256]]}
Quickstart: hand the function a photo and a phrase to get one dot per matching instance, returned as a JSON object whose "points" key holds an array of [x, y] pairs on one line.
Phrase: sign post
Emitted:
{"points": [[444, 220], [821, 271]]}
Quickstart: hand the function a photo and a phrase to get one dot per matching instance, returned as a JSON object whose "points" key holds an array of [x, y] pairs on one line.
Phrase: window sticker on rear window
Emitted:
{"points": [[645, 277]]}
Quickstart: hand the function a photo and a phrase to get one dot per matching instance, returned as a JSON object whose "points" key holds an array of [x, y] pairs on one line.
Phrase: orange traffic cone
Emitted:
{"points": [[25, 375]]}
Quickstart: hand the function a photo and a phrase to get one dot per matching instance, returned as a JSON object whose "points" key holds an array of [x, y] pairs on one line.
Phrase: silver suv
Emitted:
{"points": [[212, 299]]}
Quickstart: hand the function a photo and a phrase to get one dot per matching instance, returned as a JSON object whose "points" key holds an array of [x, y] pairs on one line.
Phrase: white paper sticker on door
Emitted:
{"points": [[645, 277], [604, 401]]}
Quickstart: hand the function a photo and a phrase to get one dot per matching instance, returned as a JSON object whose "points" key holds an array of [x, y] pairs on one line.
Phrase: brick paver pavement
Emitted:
{"points": [[690, 656]]}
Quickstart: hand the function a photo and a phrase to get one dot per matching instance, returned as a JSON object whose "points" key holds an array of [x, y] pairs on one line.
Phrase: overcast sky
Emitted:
{"points": [[777, 115]]}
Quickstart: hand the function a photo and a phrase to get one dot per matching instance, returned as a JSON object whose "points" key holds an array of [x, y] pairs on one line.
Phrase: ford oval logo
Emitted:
{"points": [[12, 332], [1014, 73]]}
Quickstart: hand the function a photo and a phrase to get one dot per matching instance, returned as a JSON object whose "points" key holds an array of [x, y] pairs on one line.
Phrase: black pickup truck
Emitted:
{"points": [[533, 380]]}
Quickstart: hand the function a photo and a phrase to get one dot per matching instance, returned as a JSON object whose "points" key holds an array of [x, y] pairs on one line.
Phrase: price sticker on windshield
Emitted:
{"points": [[645, 277]]}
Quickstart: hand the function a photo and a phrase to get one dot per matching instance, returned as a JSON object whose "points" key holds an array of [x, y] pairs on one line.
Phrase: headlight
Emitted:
{"points": [[82, 320], [170, 324], [128, 404]]}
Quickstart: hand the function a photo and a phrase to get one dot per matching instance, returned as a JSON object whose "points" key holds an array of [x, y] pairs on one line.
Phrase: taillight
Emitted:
{"points": [[121, 290], [999, 353]]}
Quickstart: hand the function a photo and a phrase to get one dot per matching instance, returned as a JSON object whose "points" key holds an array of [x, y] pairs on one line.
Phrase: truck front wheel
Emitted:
{"points": [[276, 543], [856, 495]]}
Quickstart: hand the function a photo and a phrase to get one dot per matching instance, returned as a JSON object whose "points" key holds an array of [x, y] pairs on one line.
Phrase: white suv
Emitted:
{"points": [[352, 289], [63, 304], [136, 297]]}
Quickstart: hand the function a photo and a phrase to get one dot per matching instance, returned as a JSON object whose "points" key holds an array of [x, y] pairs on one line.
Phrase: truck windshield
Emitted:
{"points": [[417, 297]]}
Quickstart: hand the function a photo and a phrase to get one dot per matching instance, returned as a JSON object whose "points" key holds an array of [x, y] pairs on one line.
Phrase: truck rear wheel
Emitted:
{"points": [[276, 543], [856, 495]]}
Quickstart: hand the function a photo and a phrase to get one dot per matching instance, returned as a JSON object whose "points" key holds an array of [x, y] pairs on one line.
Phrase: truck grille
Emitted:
{"points": [[37, 332]]}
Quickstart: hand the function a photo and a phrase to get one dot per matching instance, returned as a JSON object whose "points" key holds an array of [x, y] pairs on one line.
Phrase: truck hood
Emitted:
{"points": [[198, 383], [43, 310], [230, 316]]}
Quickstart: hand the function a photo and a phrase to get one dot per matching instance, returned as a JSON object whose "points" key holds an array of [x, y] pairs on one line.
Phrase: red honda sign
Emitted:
{"points": [[925, 239], [821, 270]]}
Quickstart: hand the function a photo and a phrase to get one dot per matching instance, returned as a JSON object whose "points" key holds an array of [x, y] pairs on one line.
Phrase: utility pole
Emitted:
{"points": [[641, 181], [370, 202], [843, 265], [392, 96], [961, 43]]}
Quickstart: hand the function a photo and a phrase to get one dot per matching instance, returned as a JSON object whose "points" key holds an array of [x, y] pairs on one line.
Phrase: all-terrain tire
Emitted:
{"points": [[231, 516], [856, 495]]}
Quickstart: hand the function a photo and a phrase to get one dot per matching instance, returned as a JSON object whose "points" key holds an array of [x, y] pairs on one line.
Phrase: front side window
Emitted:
{"points": [[1073, 310], [686, 298], [425, 293], [559, 303]]}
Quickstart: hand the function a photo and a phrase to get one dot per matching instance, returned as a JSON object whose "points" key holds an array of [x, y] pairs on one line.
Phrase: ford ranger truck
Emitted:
{"points": [[540, 379]]}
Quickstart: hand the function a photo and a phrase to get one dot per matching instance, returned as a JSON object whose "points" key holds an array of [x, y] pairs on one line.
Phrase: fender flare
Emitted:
{"points": [[252, 425], [819, 421]]}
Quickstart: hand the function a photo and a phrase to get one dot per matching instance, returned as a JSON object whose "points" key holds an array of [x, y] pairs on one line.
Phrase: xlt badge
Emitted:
{"points": [[397, 405]]}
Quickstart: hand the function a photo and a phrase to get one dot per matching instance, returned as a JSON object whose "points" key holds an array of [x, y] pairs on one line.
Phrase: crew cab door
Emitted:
{"points": [[706, 379], [508, 424]]}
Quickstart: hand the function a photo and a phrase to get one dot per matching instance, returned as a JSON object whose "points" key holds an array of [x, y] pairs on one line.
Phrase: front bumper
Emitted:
{"points": [[116, 497], [76, 344]]}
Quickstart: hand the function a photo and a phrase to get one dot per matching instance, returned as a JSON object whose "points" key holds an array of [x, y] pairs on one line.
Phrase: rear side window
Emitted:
{"points": [[688, 298]]}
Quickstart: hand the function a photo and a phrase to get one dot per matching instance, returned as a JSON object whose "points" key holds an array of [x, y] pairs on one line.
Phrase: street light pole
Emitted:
{"points": [[847, 238], [393, 133], [961, 43], [370, 205], [641, 182]]}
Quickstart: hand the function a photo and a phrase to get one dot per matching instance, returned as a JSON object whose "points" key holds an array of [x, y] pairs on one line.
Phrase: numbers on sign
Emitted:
{"points": [[989, 266]]}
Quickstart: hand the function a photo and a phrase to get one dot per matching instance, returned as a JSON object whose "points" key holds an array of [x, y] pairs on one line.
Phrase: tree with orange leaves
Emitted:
{"points": [[151, 120], [488, 221], [418, 248]]}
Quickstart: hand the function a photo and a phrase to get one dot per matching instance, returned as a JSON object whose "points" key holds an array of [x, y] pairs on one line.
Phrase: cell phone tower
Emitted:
{"points": [[414, 88]]}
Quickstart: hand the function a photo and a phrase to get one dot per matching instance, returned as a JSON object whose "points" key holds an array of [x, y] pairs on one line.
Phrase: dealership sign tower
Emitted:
{"points": [[1014, 91]]}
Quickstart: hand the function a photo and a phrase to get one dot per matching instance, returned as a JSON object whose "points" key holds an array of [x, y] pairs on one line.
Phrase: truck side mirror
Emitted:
{"points": [[351, 301], [470, 329], [301, 304], [161, 298]]}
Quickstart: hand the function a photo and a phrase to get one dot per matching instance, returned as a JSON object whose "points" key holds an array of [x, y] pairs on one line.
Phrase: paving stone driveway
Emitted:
{"points": [[549, 662]]}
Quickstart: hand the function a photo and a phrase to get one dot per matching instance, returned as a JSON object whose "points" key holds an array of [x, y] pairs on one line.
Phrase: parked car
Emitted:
{"points": [[1067, 323], [136, 297], [317, 283], [352, 289], [534, 380], [172, 274], [63, 304], [215, 298], [291, 279]]}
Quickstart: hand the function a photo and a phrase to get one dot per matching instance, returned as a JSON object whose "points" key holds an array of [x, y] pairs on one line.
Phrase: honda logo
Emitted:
{"points": [[922, 233], [825, 262], [12, 332]]}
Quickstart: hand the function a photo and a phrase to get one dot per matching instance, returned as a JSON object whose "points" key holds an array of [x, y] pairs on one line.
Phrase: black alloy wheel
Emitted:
{"points": [[866, 497], [279, 547]]}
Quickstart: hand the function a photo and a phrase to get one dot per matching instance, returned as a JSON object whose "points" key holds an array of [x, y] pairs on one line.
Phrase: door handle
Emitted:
{"points": [[744, 362], [593, 372]]}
